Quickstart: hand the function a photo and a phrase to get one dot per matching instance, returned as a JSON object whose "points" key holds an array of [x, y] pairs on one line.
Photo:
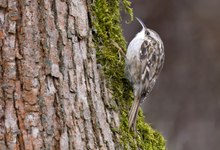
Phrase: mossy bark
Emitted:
{"points": [[110, 43]]}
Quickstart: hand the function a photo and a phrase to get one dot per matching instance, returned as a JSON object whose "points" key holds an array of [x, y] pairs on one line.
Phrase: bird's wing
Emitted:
{"points": [[151, 60], [146, 53]]}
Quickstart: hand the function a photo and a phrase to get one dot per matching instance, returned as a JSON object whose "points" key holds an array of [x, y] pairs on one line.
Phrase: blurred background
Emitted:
{"points": [[185, 103]]}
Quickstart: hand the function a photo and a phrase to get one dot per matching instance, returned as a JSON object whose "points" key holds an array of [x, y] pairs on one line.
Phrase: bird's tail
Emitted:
{"points": [[133, 113]]}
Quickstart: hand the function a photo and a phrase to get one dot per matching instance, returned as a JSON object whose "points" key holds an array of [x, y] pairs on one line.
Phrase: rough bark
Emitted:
{"points": [[51, 94]]}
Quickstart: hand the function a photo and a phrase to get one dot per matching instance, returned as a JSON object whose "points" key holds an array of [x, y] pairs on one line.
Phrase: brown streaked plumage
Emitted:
{"points": [[144, 61]]}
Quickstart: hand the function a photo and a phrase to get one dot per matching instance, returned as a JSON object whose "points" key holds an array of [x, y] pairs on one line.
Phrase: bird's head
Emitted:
{"points": [[146, 32]]}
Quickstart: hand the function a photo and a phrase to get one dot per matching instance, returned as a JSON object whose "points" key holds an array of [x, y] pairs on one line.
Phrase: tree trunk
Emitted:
{"points": [[50, 94], [53, 95]]}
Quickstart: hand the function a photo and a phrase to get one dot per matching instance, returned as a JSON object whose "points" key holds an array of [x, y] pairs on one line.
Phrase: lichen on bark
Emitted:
{"points": [[109, 43]]}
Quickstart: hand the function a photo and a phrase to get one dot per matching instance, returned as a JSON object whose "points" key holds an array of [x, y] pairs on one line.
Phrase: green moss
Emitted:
{"points": [[109, 43]]}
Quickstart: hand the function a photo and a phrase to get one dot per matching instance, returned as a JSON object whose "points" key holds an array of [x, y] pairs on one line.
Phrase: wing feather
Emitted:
{"points": [[151, 65]]}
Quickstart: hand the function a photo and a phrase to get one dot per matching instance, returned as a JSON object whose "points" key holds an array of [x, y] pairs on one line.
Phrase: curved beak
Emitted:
{"points": [[141, 22]]}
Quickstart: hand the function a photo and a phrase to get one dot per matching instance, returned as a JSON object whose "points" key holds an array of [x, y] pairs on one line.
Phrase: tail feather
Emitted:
{"points": [[133, 113]]}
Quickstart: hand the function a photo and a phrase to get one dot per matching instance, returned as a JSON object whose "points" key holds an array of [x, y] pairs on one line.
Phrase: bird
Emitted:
{"points": [[144, 61]]}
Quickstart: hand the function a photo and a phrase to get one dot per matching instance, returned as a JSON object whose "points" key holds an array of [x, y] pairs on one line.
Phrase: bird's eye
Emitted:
{"points": [[147, 33]]}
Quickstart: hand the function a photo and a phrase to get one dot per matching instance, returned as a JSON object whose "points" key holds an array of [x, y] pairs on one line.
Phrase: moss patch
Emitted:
{"points": [[109, 42]]}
